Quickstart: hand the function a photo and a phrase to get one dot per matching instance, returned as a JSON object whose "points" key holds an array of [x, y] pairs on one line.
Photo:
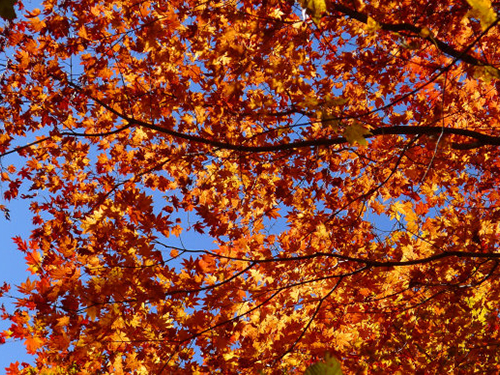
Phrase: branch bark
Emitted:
{"points": [[417, 31]]}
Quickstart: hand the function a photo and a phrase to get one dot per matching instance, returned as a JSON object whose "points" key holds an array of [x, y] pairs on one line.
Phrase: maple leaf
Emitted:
{"points": [[484, 11], [315, 8], [372, 25], [33, 343], [486, 73], [330, 366], [355, 133], [7, 11]]}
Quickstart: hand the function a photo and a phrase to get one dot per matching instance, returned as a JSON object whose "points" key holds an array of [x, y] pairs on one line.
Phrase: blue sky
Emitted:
{"points": [[13, 270]]}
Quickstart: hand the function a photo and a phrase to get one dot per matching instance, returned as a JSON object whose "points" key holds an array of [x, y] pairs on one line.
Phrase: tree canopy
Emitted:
{"points": [[341, 159]]}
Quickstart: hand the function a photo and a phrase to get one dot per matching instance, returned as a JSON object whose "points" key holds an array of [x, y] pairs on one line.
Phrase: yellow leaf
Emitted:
{"points": [[92, 220], [310, 102], [334, 101], [355, 134], [322, 231], [63, 321], [82, 33], [483, 10], [330, 366], [139, 135], [328, 121], [315, 8], [404, 208], [372, 25], [486, 73], [398, 209], [425, 32]]}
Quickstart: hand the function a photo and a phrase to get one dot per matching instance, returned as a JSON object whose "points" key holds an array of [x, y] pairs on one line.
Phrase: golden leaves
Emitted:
{"points": [[372, 25], [425, 32], [93, 220], [329, 366], [486, 73], [315, 8], [400, 208], [483, 10], [355, 133], [139, 135]]}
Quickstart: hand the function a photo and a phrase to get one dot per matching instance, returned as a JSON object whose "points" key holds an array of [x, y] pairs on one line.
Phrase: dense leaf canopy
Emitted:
{"points": [[339, 158]]}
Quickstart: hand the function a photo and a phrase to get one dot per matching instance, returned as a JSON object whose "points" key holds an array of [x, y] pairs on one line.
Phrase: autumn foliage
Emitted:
{"points": [[339, 159]]}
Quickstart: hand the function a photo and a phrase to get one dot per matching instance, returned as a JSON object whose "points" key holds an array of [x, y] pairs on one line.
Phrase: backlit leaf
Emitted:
{"points": [[355, 134], [484, 11], [7, 9], [315, 8]]}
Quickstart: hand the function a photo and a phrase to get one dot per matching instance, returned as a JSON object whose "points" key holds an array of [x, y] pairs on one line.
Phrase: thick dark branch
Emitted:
{"points": [[483, 139], [372, 262], [442, 46], [478, 139], [433, 258], [366, 261]]}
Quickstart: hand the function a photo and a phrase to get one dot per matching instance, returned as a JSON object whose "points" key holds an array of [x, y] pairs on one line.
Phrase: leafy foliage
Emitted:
{"points": [[330, 366], [342, 168]]}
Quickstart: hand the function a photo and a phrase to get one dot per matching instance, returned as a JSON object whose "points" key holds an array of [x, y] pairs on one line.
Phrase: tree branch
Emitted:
{"points": [[442, 46]]}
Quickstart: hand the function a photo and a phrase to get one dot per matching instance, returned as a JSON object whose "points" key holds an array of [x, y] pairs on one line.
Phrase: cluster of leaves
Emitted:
{"points": [[342, 158]]}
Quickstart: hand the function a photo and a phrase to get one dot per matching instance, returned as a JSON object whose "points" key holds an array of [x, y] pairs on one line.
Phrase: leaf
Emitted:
{"points": [[330, 366], [334, 101], [372, 25], [33, 343], [355, 134], [92, 312], [399, 208], [315, 8], [7, 11], [486, 73], [63, 321], [484, 11], [425, 32]]}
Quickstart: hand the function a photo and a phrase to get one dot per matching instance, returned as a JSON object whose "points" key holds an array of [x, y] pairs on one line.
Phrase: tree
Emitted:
{"points": [[343, 157]]}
